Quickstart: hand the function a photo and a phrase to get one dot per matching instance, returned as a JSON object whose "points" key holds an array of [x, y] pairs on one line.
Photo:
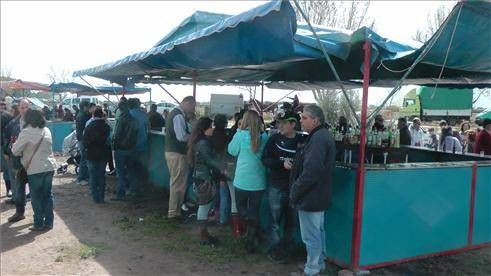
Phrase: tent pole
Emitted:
{"points": [[329, 61], [97, 90], [262, 98], [194, 84], [168, 93], [267, 107], [360, 172]]}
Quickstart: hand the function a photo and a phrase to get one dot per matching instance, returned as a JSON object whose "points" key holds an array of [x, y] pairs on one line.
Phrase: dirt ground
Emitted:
{"points": [[124, 238]]}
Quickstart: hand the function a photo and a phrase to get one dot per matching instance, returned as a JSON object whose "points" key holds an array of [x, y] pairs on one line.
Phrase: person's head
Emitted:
{"points": [[202, 128], [465, 126], [486, 124], [3, 105], [66, 110], [379, 120], [23, 107], [416, 123], [98, 113], [92, 107], [104, 105], [188, 104], [133, 103], [123, 106], [443, 124], [75, 107], [401, 122], [447, 131], [15, 110], [287, 122], [220, 121], [252, 122], [431, 130], [84, 106], [153, 108], [166, 112], [471, 135], [312, 117], [34, 118]]}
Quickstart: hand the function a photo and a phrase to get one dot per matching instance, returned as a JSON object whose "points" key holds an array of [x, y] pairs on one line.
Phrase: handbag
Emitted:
{"points": [[21, 174]]}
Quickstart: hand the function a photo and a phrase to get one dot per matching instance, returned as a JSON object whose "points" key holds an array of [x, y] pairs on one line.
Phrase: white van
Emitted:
{"points": [[68, 103]]}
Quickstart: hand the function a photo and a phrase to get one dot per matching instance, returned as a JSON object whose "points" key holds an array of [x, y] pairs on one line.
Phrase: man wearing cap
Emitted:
{"points": [[278, 156], [416, 133], [483, 140]]}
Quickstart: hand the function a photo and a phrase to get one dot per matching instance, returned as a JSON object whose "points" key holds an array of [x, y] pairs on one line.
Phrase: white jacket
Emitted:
{"points": [[43, 160]]}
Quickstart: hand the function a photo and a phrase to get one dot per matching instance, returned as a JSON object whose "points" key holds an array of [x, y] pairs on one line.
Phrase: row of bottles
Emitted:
{"points": [[375, 139]]}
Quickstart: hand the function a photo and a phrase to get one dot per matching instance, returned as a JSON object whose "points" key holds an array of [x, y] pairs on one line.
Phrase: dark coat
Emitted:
{"points": [[207, 165], [405, 136], [312, 172], [80, 122], [95, 140]]}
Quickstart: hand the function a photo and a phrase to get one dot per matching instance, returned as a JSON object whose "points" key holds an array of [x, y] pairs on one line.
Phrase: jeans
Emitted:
{"points": [[42, 198], [224, 203], [124, 166], [6, 169], [97, 179], [281, 210], [203, 211], [313, 235], [110, 161], [248, 204], [83, 173]]}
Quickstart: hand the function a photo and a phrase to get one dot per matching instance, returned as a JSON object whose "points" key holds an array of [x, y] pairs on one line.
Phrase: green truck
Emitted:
{"points": [[452, 105]]}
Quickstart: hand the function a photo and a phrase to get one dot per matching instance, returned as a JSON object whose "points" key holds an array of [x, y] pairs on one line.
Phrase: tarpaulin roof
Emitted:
{"points": [[265, 44], [23, 85], [80, 89]]}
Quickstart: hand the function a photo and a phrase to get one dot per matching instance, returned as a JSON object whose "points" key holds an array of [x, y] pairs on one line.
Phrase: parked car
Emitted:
{"points": [[486, 114], [68, 103]]}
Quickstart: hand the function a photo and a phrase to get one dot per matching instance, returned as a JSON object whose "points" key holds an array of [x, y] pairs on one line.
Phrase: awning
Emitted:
{"points": [[23, 85], [265, 44], [80, 89]]}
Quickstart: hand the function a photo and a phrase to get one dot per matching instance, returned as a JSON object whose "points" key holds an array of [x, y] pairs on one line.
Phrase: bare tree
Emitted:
{"points": [[6, 73], [59, 75], [433, 22], [349, 15]]}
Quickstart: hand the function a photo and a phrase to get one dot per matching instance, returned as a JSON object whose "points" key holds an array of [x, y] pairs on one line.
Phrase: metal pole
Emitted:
{"points": [[262, 98], [97, 91], [360, 172], [328, 59], [168, 93], [267, 107], [194, 85]]}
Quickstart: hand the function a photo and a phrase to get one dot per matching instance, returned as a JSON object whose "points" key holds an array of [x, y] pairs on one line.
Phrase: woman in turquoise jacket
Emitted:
{"points": [[250, 174]]}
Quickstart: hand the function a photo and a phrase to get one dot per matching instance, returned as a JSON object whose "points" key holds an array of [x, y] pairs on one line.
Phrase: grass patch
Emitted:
{"points": [[90, 251], [126, 223]]}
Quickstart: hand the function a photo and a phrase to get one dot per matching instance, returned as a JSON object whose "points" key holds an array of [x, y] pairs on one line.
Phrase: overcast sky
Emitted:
{"points": [[37, 36]]}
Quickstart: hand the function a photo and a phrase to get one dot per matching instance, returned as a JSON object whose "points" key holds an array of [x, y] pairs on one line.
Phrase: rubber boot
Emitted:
{"points": [[236, 227]]}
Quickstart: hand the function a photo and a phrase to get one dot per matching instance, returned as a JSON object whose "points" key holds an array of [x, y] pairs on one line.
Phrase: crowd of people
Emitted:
{"points": [[230, 171]]}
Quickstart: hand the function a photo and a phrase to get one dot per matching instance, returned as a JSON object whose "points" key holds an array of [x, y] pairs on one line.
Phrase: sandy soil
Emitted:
{"points": [[123, 238]]}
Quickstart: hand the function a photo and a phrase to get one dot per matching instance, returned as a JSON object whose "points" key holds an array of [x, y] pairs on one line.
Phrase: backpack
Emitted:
{"points": [[126, 132]]}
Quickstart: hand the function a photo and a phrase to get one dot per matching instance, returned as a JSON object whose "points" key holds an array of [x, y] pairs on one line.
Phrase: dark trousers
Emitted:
{"points": [[138, 172], [83, 169], [281, 212], [18, 194], [97, 179], [248, 205], [40, 185], [110, 162], [124, 166]]}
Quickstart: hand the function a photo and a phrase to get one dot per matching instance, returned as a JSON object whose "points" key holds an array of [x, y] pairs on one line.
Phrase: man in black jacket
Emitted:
{"points": [[278, 156], [311, 185], [404, 134], [82, 118]]}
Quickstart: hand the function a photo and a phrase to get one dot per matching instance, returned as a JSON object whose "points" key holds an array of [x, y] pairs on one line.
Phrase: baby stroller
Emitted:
{"points": [[70, 149]]}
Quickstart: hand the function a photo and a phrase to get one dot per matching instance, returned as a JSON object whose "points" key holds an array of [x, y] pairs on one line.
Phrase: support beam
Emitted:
{"points": [[262, 98], [194, 84], [360, 172], [168, 93], [98, 91], [328, 59]]}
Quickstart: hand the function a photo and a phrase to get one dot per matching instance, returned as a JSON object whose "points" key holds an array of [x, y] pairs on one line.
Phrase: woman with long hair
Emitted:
{"points": [[250, 174], [34, 145], [207, 171]]}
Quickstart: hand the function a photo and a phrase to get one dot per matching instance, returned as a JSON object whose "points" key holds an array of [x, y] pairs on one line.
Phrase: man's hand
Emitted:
{"points": [[287, 165]]}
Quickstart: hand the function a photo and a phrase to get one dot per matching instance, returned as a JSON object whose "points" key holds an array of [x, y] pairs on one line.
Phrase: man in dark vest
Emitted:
{"points": [[176, 137]]}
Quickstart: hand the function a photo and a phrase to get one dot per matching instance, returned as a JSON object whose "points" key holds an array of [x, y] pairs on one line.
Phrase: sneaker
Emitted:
{"points": [[16, 217], [37, 229], [9, 193], [83, 182], [48, 227], [111, 173]]}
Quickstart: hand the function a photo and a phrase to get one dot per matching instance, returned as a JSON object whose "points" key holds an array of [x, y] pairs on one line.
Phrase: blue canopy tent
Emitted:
{"points": [[81, 89], [267, 45]]}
